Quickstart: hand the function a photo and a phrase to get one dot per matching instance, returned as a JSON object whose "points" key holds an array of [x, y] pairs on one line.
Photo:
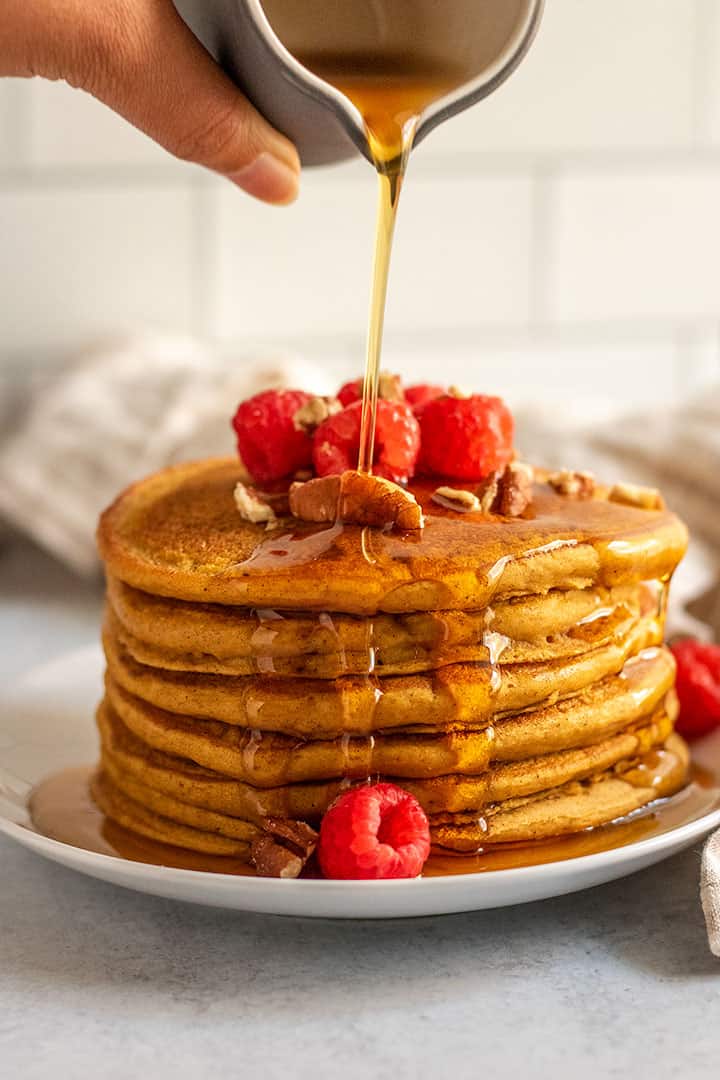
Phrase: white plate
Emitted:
{"points": [[46, 725]]}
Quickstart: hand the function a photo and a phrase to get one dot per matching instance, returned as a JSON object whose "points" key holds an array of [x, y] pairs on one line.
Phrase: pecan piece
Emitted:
{"points": [[488, 492], [313, 412], [514, 489], [508, 491], [578, 485], [390, 387], [357, 499], [251, 506], [284, 848], [644, 498], [464, 502]]}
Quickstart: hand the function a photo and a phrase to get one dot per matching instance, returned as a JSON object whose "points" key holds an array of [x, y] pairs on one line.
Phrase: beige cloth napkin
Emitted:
{"points": [[121, 411], [133, 406], [710, 890]]}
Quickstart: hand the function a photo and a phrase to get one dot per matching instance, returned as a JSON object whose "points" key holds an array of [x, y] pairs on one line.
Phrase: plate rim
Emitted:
{"points": [[689, 831]]}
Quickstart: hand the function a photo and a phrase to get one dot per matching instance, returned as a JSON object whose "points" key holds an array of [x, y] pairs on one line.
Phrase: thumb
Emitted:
{"points": [[152, 70]]}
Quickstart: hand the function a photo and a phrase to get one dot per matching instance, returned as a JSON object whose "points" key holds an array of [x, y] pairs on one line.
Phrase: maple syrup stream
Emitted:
{"points": [[390, 97]]}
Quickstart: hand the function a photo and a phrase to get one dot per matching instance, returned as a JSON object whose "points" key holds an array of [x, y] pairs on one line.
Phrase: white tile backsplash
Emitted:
{"points": [[12, 123], [635, 244], [549, 368], [709, 105], [87, 262], [558, 238], [67, 128], [601, 74], [462, 256]]}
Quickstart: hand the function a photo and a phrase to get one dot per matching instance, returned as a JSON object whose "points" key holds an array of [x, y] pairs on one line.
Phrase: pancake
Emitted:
{"points": [[574, 807], [131, 814], [491, 645], [451, 793], [604, 796], [179, 534], [219, 640], [268, 759], [451, 698]]}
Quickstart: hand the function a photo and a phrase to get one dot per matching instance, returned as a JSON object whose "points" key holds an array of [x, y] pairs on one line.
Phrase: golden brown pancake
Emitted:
{"points": [[145, 820], [178, 534], [228, 640], [269, 759], [491, 646], [455, 792], [451, 698], [604, 796]]}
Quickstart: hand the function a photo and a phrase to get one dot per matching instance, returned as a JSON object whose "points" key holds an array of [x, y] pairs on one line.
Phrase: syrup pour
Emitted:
{"points": [[390, 94]]}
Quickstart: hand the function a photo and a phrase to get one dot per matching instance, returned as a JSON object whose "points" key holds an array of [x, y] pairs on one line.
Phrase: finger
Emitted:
{"points": [[151, 69]]}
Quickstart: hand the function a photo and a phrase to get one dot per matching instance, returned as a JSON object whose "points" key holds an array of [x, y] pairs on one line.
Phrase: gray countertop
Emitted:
{"points": [[96, 981]]}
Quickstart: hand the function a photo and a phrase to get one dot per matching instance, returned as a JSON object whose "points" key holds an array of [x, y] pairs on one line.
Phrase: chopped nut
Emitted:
{"points": [[507, 491], [284, 848], [645, 498], [456, 499], [300, 836], [357, 499], [488, 491], [514, 489], [251, 506], [390, 387], [313, 412], [579, 485], [454, 391], [274, 860]]}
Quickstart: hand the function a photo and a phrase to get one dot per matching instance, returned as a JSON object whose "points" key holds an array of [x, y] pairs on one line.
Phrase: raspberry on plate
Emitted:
{"points": [[418, 396], [698, 687], [271, 444], [397, 441], [466, 438], [374, 831]]}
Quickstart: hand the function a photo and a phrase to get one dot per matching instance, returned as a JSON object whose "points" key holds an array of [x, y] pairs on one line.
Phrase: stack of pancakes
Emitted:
{"points": [[509, 672]]}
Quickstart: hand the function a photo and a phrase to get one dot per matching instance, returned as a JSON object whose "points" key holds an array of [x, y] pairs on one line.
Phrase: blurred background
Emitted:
{"points": [[561, 240]]}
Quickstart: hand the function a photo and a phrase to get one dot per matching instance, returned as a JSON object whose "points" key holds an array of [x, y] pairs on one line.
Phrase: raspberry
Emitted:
{"points": [[417, 397], [466, 438], [698, 687], [268, 441], [349, 392], [397, 441], [374, 831]]}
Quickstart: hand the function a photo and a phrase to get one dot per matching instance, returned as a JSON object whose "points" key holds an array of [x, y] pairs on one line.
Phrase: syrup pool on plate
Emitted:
{"points": [[63, 810]]}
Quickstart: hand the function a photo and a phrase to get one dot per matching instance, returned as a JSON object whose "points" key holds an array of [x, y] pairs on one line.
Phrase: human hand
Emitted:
{"points": [[139, 57]]}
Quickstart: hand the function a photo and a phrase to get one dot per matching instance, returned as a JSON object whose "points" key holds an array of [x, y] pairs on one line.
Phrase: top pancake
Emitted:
{"points": [[178, 534]]}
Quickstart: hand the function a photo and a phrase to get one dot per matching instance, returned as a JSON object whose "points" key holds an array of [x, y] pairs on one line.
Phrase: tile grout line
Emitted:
{"points": [[704, 28], [458, 165]]}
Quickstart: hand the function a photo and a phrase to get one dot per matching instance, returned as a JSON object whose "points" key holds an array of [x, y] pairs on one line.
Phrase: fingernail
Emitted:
{"points": [[268, 178]]}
